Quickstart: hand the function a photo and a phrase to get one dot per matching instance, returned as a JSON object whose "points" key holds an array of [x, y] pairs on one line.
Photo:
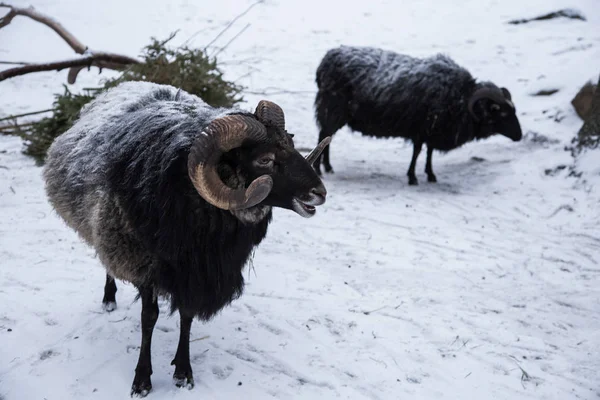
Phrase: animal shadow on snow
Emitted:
{"points": [[453, 177]]}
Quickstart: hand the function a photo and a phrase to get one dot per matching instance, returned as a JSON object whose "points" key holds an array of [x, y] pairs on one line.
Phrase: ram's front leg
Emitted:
{"points": [[109, 302], [183, 376], [142, 383]]}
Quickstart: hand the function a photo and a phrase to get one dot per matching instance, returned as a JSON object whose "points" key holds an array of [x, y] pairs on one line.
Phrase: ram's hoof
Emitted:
{"points": [[141, 389], [184, 379]]}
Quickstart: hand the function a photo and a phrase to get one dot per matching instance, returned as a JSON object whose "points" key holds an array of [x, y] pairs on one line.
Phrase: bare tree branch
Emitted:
{"points": [[228, 25], [14, 62], [30, 12], [8, 17], [101, 60], [232, 39], [278, 92], [91, 58], [117, 66], [11, 127], [10, 117]]}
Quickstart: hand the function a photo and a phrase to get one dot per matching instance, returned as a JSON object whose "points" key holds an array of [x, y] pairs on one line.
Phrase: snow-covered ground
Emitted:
{"points": [[483, 286]]}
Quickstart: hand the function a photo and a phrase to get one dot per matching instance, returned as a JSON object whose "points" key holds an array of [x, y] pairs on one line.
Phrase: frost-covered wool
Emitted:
{"points": [[398, 95], [384, 94], [119, 178], [133, 177], [128, 195]]}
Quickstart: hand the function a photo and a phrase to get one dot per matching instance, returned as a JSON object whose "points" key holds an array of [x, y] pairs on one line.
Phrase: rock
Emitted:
{"points": [[582, 102], [545, 92], [564, 13]]}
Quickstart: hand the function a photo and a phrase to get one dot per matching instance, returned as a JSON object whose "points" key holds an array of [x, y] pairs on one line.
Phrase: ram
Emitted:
{"points": [[174, 195], [430, 101]]}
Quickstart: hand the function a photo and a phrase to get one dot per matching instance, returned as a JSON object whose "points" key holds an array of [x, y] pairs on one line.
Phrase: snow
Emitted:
{"points": [[485, 285]]}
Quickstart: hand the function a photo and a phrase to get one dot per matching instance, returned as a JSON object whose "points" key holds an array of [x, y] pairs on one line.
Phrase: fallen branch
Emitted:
{"points": [[16, 127], [91, 58], [100, 60], [30, 12], [202, 338], [14, 62], [25, 115], [276, 92]]}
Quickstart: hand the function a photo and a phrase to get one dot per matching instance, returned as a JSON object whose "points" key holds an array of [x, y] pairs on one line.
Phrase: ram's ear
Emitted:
{"points": [[506, 93], [178, 95]]}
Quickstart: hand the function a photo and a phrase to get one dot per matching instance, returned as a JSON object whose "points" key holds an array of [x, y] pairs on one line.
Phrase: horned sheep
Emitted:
{"points": [[174, 195]]}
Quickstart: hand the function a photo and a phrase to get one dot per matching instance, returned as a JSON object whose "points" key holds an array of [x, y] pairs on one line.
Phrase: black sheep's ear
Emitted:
{"points": [[506, 93]]}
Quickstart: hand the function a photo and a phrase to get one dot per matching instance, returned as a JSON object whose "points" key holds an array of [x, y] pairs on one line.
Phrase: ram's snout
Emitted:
{"points": [[305, 204]]}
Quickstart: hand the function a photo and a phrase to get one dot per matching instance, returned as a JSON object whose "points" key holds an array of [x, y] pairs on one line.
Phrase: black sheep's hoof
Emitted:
{"points": [[109, 306], [141, 387], [413, 181], [329, 169], [183, 379], [431, 178]]}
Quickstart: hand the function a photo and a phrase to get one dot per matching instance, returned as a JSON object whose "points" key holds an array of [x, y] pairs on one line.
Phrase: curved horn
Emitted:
{"points": [[312, 157], [222, 135], [270, 114], [493, 94]]}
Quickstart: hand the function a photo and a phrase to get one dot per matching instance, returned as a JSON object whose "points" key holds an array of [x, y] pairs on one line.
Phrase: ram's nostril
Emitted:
{"points": [[319, 191], [314, 197]]}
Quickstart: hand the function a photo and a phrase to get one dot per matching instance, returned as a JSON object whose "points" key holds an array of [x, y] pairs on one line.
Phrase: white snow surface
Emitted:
{"points": [[483, 286]]}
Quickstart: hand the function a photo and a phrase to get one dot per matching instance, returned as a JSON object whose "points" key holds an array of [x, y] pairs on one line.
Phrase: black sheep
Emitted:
{"points": [[174, 195], [430, 101]]}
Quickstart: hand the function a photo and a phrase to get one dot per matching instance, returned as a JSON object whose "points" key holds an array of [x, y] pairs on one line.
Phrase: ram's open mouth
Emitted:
{"points": [[303, 209]]}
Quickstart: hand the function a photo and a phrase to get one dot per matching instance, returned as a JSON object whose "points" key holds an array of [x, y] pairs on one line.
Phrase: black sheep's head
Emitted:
{"points": [[494, 113], [247, 163]]}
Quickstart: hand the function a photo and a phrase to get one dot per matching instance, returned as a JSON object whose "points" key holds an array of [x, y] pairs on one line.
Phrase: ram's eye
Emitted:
{"points": [[495, 107], [265, 161]]}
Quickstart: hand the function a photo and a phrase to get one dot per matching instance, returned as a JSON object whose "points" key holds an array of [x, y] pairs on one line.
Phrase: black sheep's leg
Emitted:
{"points": [[332, 114], [324, 155], [428, 168], [412, 178], [183, 376], [326, 163], [317, 163], [109, 302], [142, 383]]}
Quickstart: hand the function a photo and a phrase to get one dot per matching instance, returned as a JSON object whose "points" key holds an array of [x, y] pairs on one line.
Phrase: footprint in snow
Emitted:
{"points": [[222, 373]]}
